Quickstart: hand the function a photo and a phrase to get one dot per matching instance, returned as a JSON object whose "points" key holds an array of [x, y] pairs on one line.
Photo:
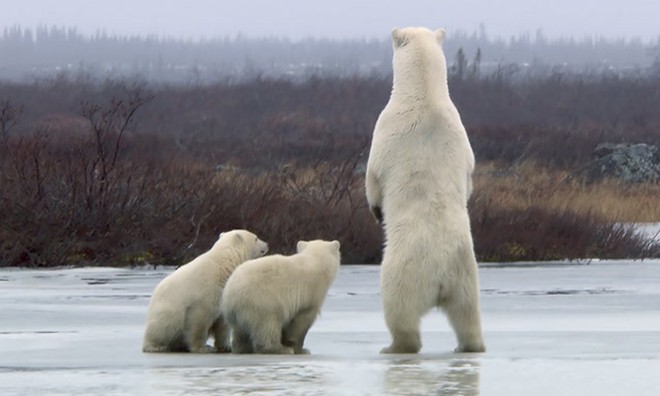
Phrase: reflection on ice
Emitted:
{"points": [[404, 376], [241, 380], [419, 377]]}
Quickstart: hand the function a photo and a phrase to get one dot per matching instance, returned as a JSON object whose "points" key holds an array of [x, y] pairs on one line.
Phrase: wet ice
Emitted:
{"points": [[551, 329]]}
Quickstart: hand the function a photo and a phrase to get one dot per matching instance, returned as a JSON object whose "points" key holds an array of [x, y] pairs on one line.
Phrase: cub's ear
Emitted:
{"points": [[399, 38], [238, 239], [301, 246], [336, 244], [440, 35]]}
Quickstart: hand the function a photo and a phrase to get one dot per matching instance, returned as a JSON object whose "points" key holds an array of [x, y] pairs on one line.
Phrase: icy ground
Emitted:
{"points": [[550, 329], [650, 231]]}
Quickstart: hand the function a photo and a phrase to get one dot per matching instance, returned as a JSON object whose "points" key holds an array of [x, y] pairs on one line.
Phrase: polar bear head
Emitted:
{"points": [[418, 58], [320, 247], [243, 241]]}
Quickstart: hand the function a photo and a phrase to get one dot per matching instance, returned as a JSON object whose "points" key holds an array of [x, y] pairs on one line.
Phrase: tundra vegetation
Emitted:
{"points": [[122, 173]]}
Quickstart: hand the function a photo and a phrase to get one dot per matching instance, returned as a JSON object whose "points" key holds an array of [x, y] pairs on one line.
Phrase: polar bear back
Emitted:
{"points": [[420, 146], [285, 284], [209, 271]]}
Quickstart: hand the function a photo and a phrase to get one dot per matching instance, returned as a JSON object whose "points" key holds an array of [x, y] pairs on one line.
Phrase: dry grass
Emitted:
{"points": [[529, 184], [529, 212]]}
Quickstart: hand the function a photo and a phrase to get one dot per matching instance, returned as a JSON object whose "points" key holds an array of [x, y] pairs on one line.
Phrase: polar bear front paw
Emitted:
{"points": [[223, 349], [203, 349]]}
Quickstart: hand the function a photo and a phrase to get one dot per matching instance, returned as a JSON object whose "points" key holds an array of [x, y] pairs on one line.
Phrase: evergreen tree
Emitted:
{"points": [[476, 65], [460, 65]]}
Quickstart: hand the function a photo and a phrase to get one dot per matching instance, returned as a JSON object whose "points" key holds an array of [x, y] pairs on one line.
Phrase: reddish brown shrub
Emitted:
{"points": [[537, 233], [98, 174]]}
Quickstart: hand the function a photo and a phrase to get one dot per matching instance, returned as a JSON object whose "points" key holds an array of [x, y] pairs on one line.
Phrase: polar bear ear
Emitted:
{"points": [[440, 35], [336, 244], [238, 239], [399, 38], [301, 246]]}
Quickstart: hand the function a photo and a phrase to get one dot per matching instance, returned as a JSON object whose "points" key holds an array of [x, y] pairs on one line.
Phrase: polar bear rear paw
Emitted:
{"points": [[476, 347], [283, 350], [404, 341], [148, 348], [222, 349], [203, 349], [400, 349]]}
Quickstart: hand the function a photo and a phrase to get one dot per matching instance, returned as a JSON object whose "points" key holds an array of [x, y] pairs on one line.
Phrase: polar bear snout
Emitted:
{"points": [[259, 248]]}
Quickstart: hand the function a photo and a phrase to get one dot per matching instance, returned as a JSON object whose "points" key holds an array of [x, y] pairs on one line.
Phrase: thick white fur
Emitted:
{"points": [[185, 306], [418, 182], [271, 302]]}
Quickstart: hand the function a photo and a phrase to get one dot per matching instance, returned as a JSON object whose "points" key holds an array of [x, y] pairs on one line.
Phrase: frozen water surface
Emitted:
{"points": [[550, 329]]}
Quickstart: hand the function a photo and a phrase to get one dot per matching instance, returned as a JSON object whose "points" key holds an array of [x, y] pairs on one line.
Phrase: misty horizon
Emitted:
{"points": [[340, 19], [45, 52], [480, 31], [205, 40]]}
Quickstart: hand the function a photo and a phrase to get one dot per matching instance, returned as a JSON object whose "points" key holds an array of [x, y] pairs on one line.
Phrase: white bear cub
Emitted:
{"points": [[418, 181], [185, 306], [271, 302]]}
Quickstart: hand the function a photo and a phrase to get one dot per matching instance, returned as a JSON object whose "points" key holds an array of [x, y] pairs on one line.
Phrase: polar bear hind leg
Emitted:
{"points": [[293, 335], [220, 332], [404, 329], [403, 311], [267, 337], [196, 331], [241, 341], [463, 314]]}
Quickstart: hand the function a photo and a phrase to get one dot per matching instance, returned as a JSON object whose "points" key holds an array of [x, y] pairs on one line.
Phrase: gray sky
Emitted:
{"points": [[338, 18]]}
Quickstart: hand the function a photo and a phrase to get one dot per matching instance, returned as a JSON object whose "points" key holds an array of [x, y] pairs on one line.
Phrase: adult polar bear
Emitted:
{"points": [[418, 182], [185, 306]]}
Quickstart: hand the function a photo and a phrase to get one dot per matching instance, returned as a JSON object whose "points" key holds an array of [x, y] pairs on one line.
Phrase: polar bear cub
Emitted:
{"points": [[271, 302], [185, 306], [418, 182]]}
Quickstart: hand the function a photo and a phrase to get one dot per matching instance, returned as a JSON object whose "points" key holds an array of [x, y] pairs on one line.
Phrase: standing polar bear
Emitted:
{"points": [[418, 182], [271, 302], [185, 306]]}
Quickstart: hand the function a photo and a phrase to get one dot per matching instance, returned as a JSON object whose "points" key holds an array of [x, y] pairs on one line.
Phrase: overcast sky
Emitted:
{"points": [[339, 18]]}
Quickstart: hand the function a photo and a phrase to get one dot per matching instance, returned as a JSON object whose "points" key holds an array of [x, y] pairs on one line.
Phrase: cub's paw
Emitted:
{"points": [[222, 349], [203, 349]]}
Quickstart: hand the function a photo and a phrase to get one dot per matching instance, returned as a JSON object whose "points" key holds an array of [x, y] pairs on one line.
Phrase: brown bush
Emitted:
{"points": [[537, 233], [168, 212], [116, 174], [60, 207]]}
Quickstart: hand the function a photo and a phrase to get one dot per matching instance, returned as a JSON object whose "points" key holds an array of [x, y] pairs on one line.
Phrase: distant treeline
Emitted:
{"points": [[45, 51]]}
